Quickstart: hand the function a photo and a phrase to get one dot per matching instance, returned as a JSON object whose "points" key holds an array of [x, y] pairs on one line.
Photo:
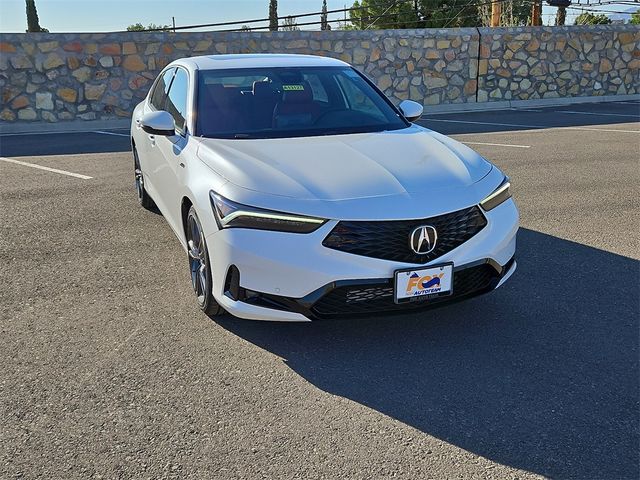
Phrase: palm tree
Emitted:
{"points": [[290, 24], [561, 15], [273, 15]]}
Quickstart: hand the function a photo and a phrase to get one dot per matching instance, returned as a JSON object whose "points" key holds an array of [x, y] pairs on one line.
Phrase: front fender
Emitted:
{"points": [[199, 180]]}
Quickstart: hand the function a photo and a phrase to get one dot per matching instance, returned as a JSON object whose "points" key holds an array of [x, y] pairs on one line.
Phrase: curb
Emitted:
{"points": [[66, 127], [509, 104]]}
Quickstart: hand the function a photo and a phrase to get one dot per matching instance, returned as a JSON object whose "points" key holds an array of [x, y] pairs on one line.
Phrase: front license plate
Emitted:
{"points": [[423, 283]]}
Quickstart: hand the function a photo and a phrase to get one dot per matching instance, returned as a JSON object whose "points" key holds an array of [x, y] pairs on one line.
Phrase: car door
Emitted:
{"points": [[150, 159], [170, 173]]}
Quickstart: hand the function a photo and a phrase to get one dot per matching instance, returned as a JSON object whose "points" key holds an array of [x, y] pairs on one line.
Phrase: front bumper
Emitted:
{"points": [[293, 277]]}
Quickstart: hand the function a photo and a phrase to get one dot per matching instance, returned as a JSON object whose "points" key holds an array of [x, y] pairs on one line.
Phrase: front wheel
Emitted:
{"points": [[199, 266]]}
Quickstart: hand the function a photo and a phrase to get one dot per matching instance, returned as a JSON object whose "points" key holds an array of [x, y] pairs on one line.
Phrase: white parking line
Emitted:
{"points": [[40, 167], [112, 133], [539, 127], [572, 112], [496, 144]]}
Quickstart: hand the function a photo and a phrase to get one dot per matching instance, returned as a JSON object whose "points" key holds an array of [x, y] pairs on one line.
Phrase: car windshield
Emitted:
{"points": [[290, 102]]}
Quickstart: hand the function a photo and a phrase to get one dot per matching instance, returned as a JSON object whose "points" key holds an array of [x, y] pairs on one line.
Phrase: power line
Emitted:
{"points": [[461, 10], [394, 4], [245, 22], [395, 15], [302, 15], [384, 15], [593, 10]]}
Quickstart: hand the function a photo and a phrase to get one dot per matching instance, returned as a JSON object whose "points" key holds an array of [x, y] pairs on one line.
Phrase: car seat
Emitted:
{"points": [[296, 108]]}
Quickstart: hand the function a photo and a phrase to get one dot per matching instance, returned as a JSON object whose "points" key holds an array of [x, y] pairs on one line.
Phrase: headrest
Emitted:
{"points": [[262, 89], [299, 92], [214, 89], [219, 95]]}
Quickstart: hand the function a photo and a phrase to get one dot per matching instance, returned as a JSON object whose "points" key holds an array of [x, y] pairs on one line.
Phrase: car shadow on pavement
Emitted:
{"points": [[69, 143], [540, 375], [491, 121]]}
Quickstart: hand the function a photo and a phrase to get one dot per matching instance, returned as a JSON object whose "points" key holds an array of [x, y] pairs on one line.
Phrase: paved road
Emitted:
{"points": [[109, 369]]}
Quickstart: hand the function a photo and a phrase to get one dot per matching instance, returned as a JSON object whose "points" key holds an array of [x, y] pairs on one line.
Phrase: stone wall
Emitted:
{"points": [[550, 62], [60, 77]]}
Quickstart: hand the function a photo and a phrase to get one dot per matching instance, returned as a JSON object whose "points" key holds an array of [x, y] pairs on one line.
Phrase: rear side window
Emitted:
{"points": [[159, 94], [176, 103]]}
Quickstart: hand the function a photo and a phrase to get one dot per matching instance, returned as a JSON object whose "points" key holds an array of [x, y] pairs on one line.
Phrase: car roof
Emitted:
{"points": [[256, 60]]}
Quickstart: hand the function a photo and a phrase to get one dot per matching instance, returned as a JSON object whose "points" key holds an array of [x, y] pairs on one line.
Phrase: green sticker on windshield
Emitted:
{"points": [[292, 87]]}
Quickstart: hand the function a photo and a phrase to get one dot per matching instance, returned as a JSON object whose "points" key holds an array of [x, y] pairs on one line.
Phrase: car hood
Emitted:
{"points": [[412, 163]]}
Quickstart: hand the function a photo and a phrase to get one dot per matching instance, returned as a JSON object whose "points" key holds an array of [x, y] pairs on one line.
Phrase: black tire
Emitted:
{"points": [[144, 198], [200, 266]]}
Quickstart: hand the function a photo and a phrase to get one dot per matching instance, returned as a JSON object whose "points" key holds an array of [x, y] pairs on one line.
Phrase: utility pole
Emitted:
{"points": [[496, 10], [536, 12], [173, 20]]}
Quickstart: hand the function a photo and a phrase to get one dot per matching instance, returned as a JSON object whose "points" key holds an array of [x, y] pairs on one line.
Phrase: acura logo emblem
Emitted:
{"points": [[423, 239]]}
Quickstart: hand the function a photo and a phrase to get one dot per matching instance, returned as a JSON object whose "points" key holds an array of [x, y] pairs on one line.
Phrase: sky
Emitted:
{"points": [[115, 15]]}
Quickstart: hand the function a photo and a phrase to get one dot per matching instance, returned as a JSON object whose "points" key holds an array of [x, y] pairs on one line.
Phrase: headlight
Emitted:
{"points": [[231, 214], [499, 195]]}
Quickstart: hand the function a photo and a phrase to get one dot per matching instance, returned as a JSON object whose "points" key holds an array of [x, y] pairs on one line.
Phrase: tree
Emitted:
{"points": [[33, 23], [273, 15], [635, 18], [289, 24], [586, 18], [138, 27], [245, 28], [383, 14], [452, 13], [514, 13], [324, 20]]}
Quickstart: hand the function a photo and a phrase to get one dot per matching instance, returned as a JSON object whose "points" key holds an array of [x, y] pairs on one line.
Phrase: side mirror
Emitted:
{"points": [[158, 123], [411, 110]]}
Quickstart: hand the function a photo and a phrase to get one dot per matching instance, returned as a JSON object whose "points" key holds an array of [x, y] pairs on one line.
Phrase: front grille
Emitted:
{"points": [[389, 240], [368, 299]]}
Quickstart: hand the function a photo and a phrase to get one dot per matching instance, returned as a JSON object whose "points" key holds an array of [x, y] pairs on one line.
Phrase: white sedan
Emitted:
{"points": [[300, 192]]}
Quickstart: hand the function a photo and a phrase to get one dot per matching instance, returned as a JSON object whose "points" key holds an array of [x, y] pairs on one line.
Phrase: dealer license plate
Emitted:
{"points": [[420, 284]]}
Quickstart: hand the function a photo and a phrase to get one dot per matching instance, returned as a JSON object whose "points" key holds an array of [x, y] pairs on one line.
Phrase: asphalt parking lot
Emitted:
{"points": [[111, 371]]}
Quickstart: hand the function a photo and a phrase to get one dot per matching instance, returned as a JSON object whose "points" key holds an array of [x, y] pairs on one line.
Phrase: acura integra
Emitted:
{"points": [[300, 192]]}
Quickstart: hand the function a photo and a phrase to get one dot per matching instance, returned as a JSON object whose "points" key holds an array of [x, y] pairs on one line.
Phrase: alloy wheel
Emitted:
{"points": [[197, 258], [138, 176]]}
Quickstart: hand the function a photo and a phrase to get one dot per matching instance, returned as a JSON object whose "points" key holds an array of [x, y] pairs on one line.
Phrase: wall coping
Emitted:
{"points": [[347, 34]]}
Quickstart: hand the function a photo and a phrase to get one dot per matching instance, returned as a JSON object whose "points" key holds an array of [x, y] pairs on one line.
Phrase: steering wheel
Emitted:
{"points": [[326, 113]]}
